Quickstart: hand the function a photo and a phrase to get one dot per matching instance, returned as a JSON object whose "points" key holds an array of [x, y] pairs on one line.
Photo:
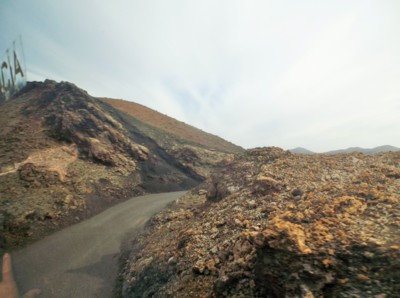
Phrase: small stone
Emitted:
{"points": [[237, 222], [210, 265], [67, 200], [214, 230], [49, 215], [369, 254], [31, 215], [172, 260], [297, 192], [362, 277], [327, 262], [220, 223], [145, 262], [306, 292], [251, 203], [202, 192], [199, 267]]}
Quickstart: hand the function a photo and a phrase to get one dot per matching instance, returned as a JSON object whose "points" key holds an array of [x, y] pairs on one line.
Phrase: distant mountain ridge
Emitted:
{"points": [[385, 148], [379, 149]]}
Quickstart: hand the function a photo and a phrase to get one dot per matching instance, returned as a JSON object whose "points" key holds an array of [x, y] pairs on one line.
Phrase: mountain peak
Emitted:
{"points": [[301, 150]]}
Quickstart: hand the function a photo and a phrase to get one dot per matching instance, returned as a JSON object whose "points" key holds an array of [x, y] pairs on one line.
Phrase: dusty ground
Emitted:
{"points": [[275, 224]]}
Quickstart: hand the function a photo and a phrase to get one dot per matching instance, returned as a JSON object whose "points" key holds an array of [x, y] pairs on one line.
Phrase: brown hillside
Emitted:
{"points": [[173, 126], [65, 156], [275, 224]]}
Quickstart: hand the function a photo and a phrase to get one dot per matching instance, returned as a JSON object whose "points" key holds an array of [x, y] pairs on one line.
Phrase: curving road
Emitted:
{"points": [[82, 260]]}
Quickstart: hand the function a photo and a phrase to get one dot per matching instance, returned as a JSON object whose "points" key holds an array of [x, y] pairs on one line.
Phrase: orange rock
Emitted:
{"points": [[210, 265], [362, 277], [327, 262], [292, 232]]}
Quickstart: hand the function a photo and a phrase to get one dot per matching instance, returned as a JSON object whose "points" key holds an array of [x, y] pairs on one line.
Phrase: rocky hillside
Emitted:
{"points": [[195, 149], [65, 155], [274, 224]]}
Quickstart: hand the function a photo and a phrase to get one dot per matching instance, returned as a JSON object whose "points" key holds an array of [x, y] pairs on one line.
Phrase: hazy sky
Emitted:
{"points": [[318, 74]]}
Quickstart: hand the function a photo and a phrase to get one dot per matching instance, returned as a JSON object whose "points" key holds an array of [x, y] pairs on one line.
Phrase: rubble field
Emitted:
{"points": [[269, 223]]}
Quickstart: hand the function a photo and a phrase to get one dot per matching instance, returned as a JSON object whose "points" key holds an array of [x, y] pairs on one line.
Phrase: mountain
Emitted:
{"points": [[172, 126], [380, 149], [65, 156], [301, 150], [386, 148], [275, 224], [195, 149]]}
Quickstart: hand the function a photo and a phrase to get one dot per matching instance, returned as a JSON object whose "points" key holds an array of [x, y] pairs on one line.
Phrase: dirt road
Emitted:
{"points": [[81, 261]]}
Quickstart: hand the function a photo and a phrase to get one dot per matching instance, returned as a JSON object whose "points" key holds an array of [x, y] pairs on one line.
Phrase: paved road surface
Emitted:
{"points": [[81, 261]]}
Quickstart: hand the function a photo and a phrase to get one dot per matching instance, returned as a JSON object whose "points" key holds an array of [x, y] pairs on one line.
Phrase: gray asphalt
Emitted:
{"points": [[82, 260]]}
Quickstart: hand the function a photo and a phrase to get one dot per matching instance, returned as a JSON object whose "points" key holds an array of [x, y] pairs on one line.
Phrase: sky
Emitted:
{"points": [[317, 74]]}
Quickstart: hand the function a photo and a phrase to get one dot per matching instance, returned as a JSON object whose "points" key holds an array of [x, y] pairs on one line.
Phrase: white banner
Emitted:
{"points": [[12, 70]]}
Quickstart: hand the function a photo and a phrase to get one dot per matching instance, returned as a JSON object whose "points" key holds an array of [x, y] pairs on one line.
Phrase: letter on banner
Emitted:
{"points": [[13, 75]]}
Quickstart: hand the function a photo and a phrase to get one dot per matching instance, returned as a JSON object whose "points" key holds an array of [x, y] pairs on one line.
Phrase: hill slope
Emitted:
{"points": [[276, 224], [173, 126], [196, 150], [65, 155]]}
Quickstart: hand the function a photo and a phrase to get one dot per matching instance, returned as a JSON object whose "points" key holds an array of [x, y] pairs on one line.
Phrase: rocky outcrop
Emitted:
{"points": [[199, 160], [73, 116], [275, 224], [37, 176]]}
